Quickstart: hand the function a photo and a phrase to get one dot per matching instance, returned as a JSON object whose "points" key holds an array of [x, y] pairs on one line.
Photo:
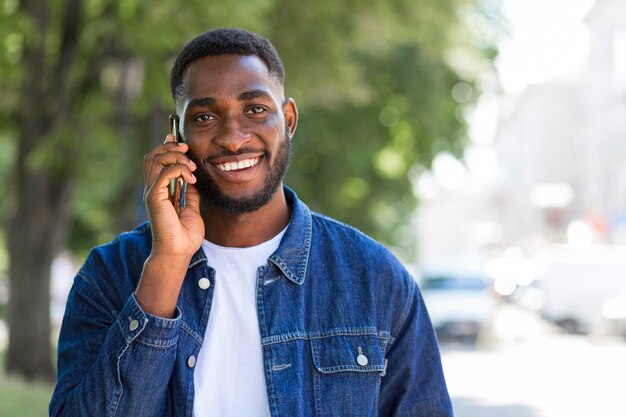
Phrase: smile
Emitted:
{"points": [[239, 165]]}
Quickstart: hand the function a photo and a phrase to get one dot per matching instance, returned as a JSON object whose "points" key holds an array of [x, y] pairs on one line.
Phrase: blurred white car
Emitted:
{"points": [[578, 291], [458, 305], [614, 313]]}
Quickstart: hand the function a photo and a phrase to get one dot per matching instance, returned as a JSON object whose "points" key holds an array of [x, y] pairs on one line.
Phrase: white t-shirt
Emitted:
{"points": [[229, 378]]}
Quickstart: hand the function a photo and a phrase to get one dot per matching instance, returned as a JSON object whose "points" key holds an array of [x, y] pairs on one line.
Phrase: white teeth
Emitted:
{"points": [[233, 166]]}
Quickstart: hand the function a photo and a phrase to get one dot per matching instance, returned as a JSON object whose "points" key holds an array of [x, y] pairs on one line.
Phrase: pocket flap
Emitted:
{"points": [[356, 353]]}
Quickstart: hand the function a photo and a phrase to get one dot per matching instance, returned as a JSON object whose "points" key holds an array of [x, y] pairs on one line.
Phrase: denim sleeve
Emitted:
{"points": [[112, 364], [414, 385]]}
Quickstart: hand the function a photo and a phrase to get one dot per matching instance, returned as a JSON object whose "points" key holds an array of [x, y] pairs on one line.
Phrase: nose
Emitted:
{"points": [[232, 136]]}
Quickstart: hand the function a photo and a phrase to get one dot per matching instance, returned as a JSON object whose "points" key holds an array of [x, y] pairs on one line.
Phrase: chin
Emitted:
{"points": [[241, 203]]}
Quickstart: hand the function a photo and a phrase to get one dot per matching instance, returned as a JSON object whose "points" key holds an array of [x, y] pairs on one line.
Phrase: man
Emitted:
{"points": [[247, 303]]}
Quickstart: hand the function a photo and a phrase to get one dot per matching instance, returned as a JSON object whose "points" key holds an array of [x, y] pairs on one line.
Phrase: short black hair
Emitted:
{"points": [[223, 41]]}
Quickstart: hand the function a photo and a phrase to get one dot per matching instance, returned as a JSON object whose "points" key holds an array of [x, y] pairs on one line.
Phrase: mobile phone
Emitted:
{"points": [[178, 186]]}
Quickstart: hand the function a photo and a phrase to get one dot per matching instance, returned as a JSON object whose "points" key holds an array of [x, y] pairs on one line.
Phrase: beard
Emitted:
{"points": [[212, 195]]}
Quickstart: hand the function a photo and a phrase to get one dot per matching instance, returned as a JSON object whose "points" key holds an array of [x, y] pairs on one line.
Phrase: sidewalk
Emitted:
{"points": [[528, 368]]}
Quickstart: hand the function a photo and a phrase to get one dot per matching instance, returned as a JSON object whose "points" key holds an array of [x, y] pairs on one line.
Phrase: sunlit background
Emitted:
{"points": [[483, 141], [522, 240]]}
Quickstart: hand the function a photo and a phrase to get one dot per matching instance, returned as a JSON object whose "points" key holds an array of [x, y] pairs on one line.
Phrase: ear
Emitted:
{"points": [[290, 111]]}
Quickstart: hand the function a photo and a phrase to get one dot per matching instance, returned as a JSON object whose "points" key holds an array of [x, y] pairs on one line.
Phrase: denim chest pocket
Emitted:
{"points": [[348, 370]]}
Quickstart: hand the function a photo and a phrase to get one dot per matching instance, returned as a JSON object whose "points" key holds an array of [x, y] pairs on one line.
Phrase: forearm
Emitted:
{"points": [[115, 375]]}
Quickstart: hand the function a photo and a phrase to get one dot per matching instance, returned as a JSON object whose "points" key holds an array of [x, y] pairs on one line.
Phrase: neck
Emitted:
{"points": [[246, 229]]}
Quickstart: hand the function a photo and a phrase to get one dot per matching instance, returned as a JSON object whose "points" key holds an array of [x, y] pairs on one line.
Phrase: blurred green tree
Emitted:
{"points": [[84, 93]]}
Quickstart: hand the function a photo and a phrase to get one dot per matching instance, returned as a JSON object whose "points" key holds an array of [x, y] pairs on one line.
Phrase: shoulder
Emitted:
{"points": [[118, 263], [128, 245], [353, 243], [139, 238], [359, 260]]}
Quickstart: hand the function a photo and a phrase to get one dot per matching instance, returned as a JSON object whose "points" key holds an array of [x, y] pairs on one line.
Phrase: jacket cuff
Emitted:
{"points": [[134, 323]]}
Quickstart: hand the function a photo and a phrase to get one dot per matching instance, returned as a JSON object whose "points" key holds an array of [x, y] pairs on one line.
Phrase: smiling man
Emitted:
{"points": [[246, 303]]}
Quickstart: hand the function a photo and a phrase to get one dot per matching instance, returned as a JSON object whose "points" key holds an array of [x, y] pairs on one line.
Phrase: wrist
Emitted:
{"points": [[166, 258], [161, 280]]}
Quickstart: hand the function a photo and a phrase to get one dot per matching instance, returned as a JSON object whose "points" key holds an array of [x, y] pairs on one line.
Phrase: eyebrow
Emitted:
{"points": [[250, 95], [207, 101], [246, 95]]}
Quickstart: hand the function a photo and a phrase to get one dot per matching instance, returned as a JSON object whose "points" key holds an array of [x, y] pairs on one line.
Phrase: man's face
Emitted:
{"points": [[238, 126]]}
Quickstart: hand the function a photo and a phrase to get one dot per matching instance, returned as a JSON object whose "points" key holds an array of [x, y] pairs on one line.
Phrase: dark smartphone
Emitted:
{"points": [[178, 186]]}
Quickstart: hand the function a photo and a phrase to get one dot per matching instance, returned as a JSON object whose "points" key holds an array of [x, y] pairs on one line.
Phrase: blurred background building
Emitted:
{"points": [[536, 208], [599, 145], [552, 172]]}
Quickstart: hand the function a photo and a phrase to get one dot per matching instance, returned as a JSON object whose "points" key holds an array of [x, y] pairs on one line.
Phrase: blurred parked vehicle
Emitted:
{"points": [[459, 306], [614, 312], [578, 288]]}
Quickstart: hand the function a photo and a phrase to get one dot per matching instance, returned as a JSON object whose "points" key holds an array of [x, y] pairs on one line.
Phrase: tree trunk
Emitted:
{"points": [[38, 228], [35, 235]]}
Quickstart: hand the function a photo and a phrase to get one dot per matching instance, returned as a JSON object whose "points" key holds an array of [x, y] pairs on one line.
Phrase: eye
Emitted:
{"points": [[204, 117], [254, 110]]}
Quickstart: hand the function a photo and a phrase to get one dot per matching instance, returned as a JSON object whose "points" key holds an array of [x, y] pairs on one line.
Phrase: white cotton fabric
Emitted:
{"points": [[229, 378]]}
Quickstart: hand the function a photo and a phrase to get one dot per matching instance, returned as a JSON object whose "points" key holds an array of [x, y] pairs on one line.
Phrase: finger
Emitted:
{"points": [[162, 181], [167, 148], [162, 161], [173, 158], [147, 159], [170, 138]]}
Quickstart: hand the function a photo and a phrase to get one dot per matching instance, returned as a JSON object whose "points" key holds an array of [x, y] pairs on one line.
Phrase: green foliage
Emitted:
{"points": [[353, 162], [373, 82]]}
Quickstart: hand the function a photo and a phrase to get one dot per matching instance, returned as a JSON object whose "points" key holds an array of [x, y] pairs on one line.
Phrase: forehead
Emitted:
{"points": [[227, 75]]}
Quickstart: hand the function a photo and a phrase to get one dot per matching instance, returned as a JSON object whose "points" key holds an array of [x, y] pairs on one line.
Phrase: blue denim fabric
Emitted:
{"points": [[327, 295]]}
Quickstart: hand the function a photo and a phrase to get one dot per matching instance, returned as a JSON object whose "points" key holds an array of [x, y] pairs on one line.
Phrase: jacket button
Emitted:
{"points": [[133, 325], [362, 360], [191, 361], [204, 283]]}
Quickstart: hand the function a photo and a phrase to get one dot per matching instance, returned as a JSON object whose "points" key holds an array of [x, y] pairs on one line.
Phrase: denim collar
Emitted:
{"points": [[292, 255]]}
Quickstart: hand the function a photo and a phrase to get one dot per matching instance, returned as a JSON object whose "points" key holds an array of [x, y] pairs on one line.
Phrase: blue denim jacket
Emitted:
{"points": [[343, 327]]}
